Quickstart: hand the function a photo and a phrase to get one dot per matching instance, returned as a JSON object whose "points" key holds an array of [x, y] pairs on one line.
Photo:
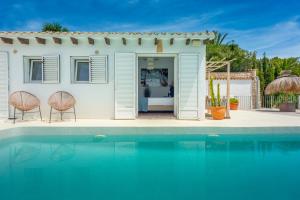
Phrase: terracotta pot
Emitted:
{"points": [[218, 112], [234, 106], [287, 107]]}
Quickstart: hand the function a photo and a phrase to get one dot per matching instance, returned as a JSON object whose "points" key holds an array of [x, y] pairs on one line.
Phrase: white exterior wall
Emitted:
{"points": [[93, 100], [241, 89], [237, 87]]}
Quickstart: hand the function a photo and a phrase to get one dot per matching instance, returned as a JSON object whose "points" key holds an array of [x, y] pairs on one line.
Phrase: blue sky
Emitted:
{"points": [[262, 25]]}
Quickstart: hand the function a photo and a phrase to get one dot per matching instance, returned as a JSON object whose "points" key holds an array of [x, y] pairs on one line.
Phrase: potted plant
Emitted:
{"points": [[234, 103], [217, 110], [286, 102]]}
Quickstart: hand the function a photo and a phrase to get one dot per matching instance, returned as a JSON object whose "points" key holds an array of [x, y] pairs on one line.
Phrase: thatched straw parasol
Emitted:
{"points": [[285, 83]]}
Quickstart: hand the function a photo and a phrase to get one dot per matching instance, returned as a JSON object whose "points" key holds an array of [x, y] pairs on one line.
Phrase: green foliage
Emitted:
{"points": [[219, 38], [268, 69], [285, 98], [244, 60], [260, 74], [280, 64], [233, 100], [212, 93], [54, 27]]}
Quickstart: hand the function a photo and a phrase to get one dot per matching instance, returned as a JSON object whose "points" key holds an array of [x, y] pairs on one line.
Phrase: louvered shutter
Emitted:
{"points": [[3, 85], [98, 69], [125, 86], [188, 86], [50, 69]]}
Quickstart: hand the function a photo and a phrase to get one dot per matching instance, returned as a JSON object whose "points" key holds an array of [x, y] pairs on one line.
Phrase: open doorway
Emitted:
{"points": [[156, 87]]}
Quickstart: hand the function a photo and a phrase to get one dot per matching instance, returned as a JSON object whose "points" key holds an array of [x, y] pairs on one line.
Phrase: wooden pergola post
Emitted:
{"points": [[208, 78], [208, 93]]}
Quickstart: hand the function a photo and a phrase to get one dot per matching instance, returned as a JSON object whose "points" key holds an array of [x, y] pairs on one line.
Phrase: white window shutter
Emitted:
{"points": [[50, 68], [98, 69]]}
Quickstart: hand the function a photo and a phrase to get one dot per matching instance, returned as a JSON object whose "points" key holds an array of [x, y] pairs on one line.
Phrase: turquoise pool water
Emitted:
{"points": [[156, 166]]}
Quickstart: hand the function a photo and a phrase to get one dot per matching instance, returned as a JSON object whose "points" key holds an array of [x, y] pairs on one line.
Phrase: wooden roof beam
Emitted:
{"points": [[91, 41], [171, 41], [7, 40], [74, 40], [140, 41], [124, 41], [23, 40], [40, 40], [57, 40], [107, 41]]}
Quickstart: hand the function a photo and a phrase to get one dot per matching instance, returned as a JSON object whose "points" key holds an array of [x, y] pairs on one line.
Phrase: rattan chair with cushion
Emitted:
{"points": [[25, 102], [62, 101]]}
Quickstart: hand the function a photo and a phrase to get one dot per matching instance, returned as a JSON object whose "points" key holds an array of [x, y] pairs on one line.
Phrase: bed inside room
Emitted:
{"points": [[156, 85]]}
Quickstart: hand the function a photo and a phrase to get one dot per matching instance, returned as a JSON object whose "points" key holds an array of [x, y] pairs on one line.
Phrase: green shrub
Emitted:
{"points": [[285, 98], [233, 100]]}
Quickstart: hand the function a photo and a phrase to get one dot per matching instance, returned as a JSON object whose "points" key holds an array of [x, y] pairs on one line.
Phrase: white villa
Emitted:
{"points": [[107, 73]]}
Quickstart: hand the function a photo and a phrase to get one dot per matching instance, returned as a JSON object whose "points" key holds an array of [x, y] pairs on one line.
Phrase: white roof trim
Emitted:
{"points": [[191, 35]]}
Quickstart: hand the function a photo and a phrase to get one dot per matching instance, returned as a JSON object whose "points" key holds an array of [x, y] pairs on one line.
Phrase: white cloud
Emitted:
{"points": [[282, 39], [183, 24]]}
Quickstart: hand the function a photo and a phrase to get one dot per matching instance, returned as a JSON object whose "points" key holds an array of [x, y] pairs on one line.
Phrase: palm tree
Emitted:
{"points": [[219, 38], [54, 27]]}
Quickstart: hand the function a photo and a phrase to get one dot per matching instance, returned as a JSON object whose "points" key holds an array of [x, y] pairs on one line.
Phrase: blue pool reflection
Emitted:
{"points": [[152, 167]]}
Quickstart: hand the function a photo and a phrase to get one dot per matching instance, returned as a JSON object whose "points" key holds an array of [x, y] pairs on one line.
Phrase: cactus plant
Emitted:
{"points": [[211, 92], [217, 111], [218, 95], [214, 101]]}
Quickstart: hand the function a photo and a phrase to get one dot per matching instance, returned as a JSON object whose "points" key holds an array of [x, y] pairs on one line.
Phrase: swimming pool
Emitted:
{"points": [[212, 163]]}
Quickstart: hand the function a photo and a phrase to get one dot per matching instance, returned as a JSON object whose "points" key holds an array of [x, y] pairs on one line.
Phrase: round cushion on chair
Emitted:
{"points": [[61, 101], [23, 101]]}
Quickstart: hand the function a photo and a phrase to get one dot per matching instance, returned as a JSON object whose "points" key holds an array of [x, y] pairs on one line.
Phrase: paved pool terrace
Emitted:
{"points": [[238, 118]]}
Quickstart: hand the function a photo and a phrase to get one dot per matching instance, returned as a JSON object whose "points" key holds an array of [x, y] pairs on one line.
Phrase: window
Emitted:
{"points": [[35, 70], [82, 71], [89, 69], [41, 69]]}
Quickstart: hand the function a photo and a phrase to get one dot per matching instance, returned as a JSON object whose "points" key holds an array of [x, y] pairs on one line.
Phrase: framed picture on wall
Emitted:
{"points": [[154, 77]]}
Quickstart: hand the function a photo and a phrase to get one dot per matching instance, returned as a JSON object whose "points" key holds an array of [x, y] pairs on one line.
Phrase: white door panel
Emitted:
{"points": [[125, 86], [188, 107]]}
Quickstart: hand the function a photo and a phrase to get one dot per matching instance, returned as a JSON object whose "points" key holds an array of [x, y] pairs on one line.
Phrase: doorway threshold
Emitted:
{"points": [[156, 115]]}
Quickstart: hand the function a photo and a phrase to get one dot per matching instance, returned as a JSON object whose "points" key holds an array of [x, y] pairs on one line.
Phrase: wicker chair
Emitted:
{"points": [[61, 101], [24, 102]]}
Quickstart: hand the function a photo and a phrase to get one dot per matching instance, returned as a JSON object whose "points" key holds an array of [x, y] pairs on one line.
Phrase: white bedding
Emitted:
{"points": [[161, 101]]}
